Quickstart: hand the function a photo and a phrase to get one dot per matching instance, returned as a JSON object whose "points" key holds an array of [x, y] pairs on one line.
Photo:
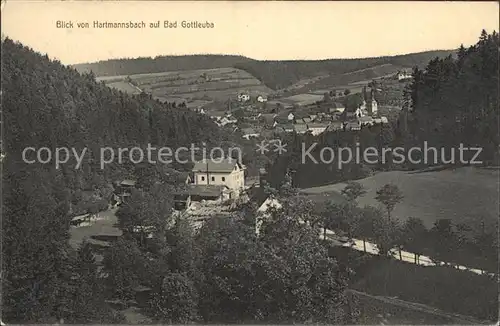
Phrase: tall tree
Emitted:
{"points": [[389, 195]]}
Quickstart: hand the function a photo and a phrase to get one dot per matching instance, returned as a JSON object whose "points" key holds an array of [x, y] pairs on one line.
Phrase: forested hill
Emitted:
{"points": [[274, 74], [455, 100], [115, 67], [281, 74], [46, 104]]}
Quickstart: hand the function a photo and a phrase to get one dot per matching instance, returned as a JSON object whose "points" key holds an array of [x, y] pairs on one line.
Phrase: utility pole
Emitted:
{"points": [[208, 180]]}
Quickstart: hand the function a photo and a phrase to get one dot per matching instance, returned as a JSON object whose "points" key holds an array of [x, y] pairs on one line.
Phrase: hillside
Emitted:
{"points": [[136, 66], [274, 74], [46, 104], [465, 195]]}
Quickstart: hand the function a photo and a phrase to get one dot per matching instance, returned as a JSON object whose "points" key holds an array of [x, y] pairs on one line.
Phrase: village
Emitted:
{"points": [[258, 117]]}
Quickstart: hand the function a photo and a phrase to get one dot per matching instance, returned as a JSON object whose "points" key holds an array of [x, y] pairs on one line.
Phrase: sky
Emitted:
{"points": [[259, 30]]}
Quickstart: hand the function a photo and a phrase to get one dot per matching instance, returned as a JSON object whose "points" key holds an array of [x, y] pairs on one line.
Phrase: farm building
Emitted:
{"points": [[249, 133], [243, 97], [403, 75], [261, 99], [336, 107], [317, 128]]}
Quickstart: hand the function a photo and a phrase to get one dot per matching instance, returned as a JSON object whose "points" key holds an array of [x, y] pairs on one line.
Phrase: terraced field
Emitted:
{"points": [[191, 85]]}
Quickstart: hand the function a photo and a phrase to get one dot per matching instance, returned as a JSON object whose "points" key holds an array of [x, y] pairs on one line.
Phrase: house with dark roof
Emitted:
{"points": [[249, 133], [352, 125], [301, 128], [366, 121], [281, 128], [124, 189], [336, 107], [334, 126]]}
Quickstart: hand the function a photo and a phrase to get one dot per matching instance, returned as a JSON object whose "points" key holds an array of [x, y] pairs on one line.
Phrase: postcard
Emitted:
{"points": [[249, 162]]}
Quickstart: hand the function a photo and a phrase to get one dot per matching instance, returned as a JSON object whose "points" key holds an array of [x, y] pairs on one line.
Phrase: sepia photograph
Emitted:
{"points": [[249, 162]]}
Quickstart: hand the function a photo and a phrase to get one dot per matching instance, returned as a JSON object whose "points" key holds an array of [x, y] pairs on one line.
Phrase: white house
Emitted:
{"points": [[403, 75], [226, 120], [249, 133], [221, 172], [261, 99], [291, 116], [316, 128], [243, 97]]}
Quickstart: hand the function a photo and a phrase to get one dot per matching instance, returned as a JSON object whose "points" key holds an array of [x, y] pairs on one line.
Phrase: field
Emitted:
{"points": [[383, 310], [302, 99], [191, 85], [465, 195], [124, 86], [447, 289], [354, 81]]}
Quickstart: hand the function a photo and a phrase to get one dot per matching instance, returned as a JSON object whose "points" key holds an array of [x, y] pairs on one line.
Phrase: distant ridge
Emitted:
{"points": [[275, 74]]}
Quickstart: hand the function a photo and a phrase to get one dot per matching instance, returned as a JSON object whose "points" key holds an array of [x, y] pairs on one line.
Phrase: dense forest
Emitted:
{"points": [[224, 274], [455, 100], [115, 67], [46, 104], [274, 74]]}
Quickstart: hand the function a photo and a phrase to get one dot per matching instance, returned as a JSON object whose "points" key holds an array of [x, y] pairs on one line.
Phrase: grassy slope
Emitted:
{"points": [[465, 195], [219, 84], [434, 286]]}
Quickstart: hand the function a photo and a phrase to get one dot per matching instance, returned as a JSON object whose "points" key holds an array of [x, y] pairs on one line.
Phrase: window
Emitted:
{"points": [[213, 178], [202, 178], [223, 179]]}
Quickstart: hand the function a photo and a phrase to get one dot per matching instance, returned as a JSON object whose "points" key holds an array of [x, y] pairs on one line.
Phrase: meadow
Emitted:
{"points": [[465, 195]]}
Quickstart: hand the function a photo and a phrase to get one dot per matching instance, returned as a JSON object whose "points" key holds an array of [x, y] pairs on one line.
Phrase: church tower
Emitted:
{"points": [[373, 106]]}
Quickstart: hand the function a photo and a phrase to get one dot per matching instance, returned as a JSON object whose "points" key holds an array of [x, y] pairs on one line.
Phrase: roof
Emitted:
{"points": [[317, 125], [127, 183], [301, 127], [248, 131], [337, 125], [226, 165], [352, 124], [206, 190], [366, 119], [300, 114], [337, 105]]}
